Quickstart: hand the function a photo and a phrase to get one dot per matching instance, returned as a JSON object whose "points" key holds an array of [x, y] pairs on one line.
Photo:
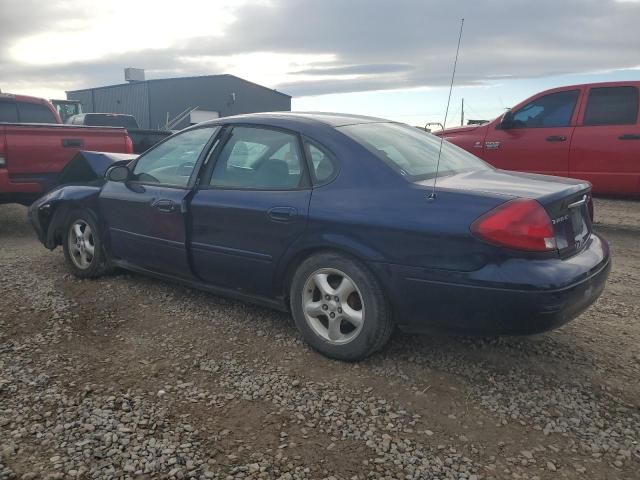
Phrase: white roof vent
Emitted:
{"points": [[134, 74]]}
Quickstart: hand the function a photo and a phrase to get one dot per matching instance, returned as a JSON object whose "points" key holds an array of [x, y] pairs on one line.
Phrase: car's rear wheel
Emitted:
{"points": [[83, 247], [339, 307]]}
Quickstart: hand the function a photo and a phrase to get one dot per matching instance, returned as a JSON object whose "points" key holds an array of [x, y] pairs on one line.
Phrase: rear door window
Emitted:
{"points": [[612, 106], [8, 112], [35, 113], [259, 159]]}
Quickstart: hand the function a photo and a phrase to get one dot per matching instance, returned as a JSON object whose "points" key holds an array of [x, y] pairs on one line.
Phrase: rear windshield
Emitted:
{"points": [[125, 121], [412, 152]]}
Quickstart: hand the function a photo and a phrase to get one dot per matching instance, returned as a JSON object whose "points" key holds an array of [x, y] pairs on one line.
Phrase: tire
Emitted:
{"points": [[361, 322], [83, 249]]}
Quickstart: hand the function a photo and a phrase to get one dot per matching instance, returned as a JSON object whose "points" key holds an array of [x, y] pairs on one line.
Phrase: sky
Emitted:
{"points": [[387, 58]]}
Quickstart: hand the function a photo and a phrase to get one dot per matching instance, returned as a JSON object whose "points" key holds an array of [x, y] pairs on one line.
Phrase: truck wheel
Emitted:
{"points": [[82, 246], [339, 307]]}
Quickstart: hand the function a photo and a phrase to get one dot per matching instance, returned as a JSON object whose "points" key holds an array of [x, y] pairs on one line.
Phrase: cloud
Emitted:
{"points": [[327, 46]]}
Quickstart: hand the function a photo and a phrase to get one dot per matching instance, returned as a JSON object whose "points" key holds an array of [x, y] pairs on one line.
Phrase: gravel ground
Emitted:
{"points": [[127, 377]]}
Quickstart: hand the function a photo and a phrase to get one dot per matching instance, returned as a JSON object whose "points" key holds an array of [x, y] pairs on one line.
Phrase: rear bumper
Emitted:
{"points": [[494, 300]]}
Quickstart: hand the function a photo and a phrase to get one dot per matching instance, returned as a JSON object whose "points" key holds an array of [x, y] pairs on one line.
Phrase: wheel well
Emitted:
{"points": [[55, 229], [301, 256], [59, 218]]}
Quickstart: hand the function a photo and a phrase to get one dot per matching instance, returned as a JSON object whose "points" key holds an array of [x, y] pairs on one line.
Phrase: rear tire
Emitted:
{"points": [[83, 247], [339, 307]]}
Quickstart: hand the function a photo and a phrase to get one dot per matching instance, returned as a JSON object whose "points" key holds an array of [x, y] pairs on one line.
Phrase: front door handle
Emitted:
{"points": [[282, 214], [556, 138], [164, 205], [629, 136]]}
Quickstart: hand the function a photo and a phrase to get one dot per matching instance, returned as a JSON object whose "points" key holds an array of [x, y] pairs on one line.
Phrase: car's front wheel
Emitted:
{"points": [[82, 246], [339, 307]]}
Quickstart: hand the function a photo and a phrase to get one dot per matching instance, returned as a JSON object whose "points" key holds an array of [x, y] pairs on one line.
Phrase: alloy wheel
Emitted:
{"points": [[333, 306], [81, 244]]}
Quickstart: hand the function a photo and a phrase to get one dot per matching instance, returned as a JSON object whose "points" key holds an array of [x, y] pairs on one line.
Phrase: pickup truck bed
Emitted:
{"points": [[32, 155]]}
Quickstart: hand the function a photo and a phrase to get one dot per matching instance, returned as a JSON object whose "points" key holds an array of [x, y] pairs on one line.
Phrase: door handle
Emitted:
{"points": [[556, 138], [282, 214], [72, 142], [629, 136], [164, 205]]}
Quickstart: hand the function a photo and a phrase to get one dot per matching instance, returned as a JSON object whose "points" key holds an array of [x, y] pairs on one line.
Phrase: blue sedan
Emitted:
{"points": [[336, 219]]}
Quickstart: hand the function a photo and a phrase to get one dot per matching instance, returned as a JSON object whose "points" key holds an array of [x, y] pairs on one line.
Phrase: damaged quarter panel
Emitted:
{"points": [[80, 183]]}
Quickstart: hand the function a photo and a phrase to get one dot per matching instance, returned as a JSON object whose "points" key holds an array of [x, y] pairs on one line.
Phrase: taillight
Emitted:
{"points": [[128, 144], [518, 224]]}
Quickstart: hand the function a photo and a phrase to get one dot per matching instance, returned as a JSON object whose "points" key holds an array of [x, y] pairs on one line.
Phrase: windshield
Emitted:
{"points": [[412, 152]]}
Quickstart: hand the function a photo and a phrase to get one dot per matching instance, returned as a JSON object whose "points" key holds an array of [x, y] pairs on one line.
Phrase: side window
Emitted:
{"points": [[35, 113], [8, 112], [259, 158], [612, 106], [172, 162], [322, 162], [553, 110]]}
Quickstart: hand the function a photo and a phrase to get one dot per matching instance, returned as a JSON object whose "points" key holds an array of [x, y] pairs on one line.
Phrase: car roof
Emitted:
{"points": [[22, 98], [297, 118]]}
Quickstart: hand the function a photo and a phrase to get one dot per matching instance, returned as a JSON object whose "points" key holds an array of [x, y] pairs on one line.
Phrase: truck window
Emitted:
{"points": [[99, 120], [553, 110], [612, 106], [35, 113], [8, 112]]}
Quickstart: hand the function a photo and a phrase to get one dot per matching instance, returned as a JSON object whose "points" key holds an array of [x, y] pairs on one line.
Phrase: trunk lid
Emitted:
{"points": [[566, 201]]}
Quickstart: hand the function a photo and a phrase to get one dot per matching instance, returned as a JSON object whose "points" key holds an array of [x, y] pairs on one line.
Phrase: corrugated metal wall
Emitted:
{"points": [[132, 99], [84, 97], [151, 101], [213, 93]]}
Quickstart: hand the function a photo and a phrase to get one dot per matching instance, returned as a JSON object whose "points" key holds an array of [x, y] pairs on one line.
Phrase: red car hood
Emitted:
{"points": [[455, 130]]}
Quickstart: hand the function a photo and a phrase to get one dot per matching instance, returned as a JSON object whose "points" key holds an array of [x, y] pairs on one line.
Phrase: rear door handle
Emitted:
{"points": [[556, 138], [72, 142], [282, 214], [629, 136], [164, 205]]}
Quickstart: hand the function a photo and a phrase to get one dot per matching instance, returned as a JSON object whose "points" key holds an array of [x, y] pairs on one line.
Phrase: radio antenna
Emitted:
{"points": [[446, 112]]}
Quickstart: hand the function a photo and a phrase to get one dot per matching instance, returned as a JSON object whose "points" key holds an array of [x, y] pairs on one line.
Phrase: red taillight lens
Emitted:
{"points": [[128, 144], [518, 224]]}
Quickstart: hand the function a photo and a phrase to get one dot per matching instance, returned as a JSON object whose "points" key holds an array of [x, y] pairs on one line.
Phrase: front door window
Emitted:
{"points": [[172, 162]]}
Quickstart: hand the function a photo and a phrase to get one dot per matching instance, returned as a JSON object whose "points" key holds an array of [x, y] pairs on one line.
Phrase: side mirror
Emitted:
{"points": [[506, 122], [118, 173]]}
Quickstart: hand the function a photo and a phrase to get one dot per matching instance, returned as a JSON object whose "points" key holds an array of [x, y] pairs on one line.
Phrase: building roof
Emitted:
{"points": [[175, 79]]}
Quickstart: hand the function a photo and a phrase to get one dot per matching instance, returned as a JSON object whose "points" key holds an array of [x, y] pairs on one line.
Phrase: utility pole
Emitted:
{"points": [[462, 113]]}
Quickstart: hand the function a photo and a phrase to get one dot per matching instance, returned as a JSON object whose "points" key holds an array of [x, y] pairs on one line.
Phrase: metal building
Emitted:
{"points": [[154, 103]]}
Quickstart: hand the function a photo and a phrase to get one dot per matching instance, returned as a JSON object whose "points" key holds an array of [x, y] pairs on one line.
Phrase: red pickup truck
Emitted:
{"points": [[35, 146], [589, 132]]}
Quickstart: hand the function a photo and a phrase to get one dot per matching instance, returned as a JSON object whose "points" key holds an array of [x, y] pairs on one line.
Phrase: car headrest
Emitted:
{"points": [[273, 173], [324, 169]]}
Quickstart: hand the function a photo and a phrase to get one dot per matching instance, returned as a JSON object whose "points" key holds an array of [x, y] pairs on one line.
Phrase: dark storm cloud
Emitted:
{"points": [[387, 44]]}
